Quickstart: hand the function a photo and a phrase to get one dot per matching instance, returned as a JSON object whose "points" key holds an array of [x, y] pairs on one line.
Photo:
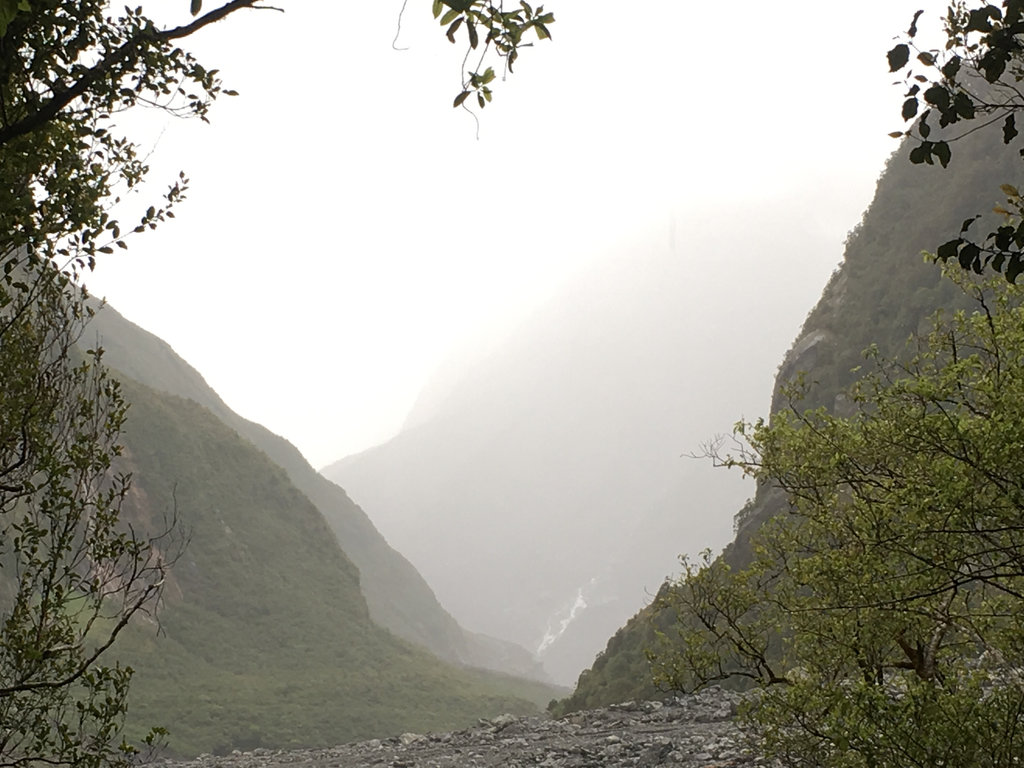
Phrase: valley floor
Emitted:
{"points": [[695, 731]]}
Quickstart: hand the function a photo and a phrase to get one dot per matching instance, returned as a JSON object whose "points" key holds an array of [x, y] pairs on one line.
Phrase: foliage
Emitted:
{"points": [[619, 673], [71, 578], [73, 575], [883, 292], [266, 638], [66, 71], [974, 77], [503, 32], [883, 614]]}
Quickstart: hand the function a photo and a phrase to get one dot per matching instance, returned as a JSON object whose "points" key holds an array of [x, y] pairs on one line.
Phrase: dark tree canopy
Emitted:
{"points": [[883, 614], [971, 83], [73, 574]]}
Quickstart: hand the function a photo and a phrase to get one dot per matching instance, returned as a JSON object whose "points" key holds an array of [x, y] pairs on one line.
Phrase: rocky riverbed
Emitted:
{"points": [[696, 731]]}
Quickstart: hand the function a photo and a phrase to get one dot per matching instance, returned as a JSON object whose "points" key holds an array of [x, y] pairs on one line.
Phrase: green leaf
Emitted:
{"points": [[964, 105], [922, 153], [460, 99], [941, 150], [1004, 235], [978, 20], [970, 257], [993, 64], [1009, 129], [898, 57], [1015, 267], [910, 108], [951, 68], [8, 10], [937, 95], [912, 32], [197, 6], [450, 34], [968, 223], [438, 8]]}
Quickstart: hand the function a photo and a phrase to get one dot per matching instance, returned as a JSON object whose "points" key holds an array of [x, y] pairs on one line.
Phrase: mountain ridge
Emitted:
{"points": [[264, 637], [553, 463], [398, 597], [880, 295]]}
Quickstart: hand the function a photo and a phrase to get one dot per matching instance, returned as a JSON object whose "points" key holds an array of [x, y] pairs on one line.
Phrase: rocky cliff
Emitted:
{"points": [[880, 294]]}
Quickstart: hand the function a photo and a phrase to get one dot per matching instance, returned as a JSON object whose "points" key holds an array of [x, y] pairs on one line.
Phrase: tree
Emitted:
{"points": [[973, 78], [883, 616], [73, 574], [68, 69], [504, 32]]}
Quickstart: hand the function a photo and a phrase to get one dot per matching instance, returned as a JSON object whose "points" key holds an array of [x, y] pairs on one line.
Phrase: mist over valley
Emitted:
{"points": [[410, 436], [547, 487]]}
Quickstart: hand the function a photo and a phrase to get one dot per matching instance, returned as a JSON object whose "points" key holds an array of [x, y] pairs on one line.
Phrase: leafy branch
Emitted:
{"points": [[502, 33]]}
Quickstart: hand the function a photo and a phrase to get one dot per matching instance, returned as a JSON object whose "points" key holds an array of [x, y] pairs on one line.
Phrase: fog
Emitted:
{"points": [[546, 489], [347, 229], [557, 298]]}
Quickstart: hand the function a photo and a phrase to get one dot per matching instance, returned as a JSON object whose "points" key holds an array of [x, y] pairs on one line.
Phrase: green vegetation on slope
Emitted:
{"points": [[619, 673], [265, 636], [896, 574], [396, 594], [881, 294]]}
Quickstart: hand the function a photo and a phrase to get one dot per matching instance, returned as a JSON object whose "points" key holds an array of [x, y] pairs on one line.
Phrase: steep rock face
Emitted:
{"points": [[885, 290], [398, 597], [542, 489], [881, 294]]}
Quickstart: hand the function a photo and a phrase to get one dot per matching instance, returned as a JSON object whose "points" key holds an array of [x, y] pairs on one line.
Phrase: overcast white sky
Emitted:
{"points": [[346, 230]]}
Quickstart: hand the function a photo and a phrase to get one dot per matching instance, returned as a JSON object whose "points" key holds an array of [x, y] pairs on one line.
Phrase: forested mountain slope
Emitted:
{"points": [[541, 487], [880, 294], [398, 597], [264, 637]]}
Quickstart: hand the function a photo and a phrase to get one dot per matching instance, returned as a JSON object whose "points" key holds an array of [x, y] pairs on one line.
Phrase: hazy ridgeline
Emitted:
{"points": [[546, 476], [883, 292]]}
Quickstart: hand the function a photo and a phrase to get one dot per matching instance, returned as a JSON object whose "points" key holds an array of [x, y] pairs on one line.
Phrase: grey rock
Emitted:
{"points": [[697, 731]]}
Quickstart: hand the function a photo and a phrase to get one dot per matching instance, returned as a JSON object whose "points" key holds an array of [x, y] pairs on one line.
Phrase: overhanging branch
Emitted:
{"points": [[126, 53]]}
